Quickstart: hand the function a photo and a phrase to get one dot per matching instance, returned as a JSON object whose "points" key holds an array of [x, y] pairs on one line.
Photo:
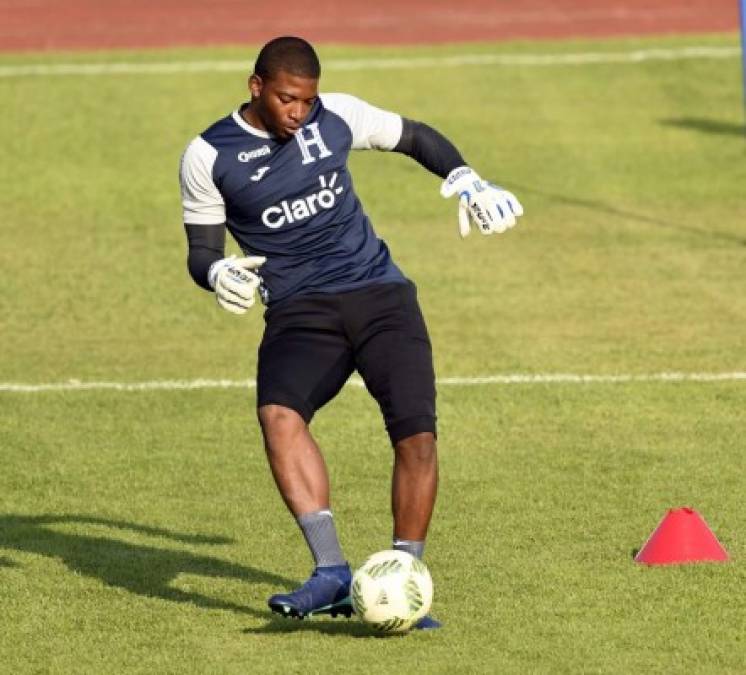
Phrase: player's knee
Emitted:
{"points": [[420, 448], [278, 420]]}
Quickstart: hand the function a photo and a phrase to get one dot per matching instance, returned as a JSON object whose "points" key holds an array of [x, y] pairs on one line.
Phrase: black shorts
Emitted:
{"points": [[313, 343]]}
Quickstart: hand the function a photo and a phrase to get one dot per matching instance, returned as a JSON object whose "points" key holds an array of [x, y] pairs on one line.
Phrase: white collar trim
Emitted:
{"points": [[238, 119]]}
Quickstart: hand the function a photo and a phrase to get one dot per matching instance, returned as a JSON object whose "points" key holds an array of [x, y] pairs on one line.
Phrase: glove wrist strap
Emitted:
{"points": [[212, 273], [455, 181]]}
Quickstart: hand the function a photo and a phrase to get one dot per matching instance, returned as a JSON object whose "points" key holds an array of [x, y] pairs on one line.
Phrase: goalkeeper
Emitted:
{"points": [[274, 174]]}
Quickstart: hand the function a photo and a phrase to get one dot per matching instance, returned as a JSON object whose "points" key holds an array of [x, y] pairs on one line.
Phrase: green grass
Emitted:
{"points": [[141, 532]]}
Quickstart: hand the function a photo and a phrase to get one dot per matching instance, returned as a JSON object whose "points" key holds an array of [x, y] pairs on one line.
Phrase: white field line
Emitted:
{"points": [[458, 60], [548, 378]]}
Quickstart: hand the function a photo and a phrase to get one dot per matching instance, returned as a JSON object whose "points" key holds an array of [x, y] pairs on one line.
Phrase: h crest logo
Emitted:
{"points": [[314, 140]]}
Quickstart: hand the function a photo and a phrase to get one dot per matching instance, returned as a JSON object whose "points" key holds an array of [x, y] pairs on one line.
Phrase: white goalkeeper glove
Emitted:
{"points": [[234, 281], [492, 208]]}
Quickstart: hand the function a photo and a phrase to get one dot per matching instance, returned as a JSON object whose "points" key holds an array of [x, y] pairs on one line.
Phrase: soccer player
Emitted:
{"points": [[274, 174]]}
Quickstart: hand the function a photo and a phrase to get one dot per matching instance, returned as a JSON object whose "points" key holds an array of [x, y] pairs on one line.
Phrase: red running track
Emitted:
{"points": [[96, 24]]}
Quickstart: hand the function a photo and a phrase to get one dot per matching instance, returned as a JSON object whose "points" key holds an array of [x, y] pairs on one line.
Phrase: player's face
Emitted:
{"points": [[283, 102]]}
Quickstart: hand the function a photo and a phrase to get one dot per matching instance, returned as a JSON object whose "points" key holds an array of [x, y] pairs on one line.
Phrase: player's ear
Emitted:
{"points": [[255, 85]]}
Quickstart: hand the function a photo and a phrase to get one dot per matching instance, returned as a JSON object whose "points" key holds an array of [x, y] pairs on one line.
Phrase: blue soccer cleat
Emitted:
{"points": [[427, 623], [326, 592]]}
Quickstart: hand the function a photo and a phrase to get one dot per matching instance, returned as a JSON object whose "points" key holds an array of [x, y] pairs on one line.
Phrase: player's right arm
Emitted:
{"points": [[234, 280]]}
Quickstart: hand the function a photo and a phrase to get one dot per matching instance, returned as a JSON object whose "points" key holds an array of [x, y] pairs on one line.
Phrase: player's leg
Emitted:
{"points": [[296, 462], [300, 473], [394, 357], [303, 362], [413, 489]]}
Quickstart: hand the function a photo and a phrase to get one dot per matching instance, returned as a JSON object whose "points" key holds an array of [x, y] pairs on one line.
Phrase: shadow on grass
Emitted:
{"points": [[143, 570], [341, 627], [626, 214], [706, 126]]}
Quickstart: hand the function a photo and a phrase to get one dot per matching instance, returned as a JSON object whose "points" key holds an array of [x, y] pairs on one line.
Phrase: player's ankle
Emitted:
{"points": [[415, 548]]}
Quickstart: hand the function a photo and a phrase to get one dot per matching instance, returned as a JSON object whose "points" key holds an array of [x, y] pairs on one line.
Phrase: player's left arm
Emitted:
{"points": [[492, 208]]}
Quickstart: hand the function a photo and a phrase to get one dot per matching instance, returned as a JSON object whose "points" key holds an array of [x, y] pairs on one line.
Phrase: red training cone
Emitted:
{"points": [[681, 537]]}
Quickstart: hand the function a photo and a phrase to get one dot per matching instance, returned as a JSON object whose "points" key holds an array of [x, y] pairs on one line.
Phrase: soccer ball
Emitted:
{"points": [[392, 591]]}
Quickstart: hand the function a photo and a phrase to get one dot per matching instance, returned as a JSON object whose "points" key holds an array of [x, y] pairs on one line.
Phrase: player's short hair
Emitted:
{"points": [[292, 54]]}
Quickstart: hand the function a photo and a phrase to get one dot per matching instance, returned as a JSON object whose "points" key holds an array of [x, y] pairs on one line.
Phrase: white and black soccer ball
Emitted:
{"points": [[392, 591]]}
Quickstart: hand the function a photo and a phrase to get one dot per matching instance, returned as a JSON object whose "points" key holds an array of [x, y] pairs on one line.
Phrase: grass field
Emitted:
{"points": [[141, 532]]}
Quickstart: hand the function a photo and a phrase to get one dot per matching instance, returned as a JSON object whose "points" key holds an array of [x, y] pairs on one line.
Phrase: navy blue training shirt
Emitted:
{"points": [[293, 201]]}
